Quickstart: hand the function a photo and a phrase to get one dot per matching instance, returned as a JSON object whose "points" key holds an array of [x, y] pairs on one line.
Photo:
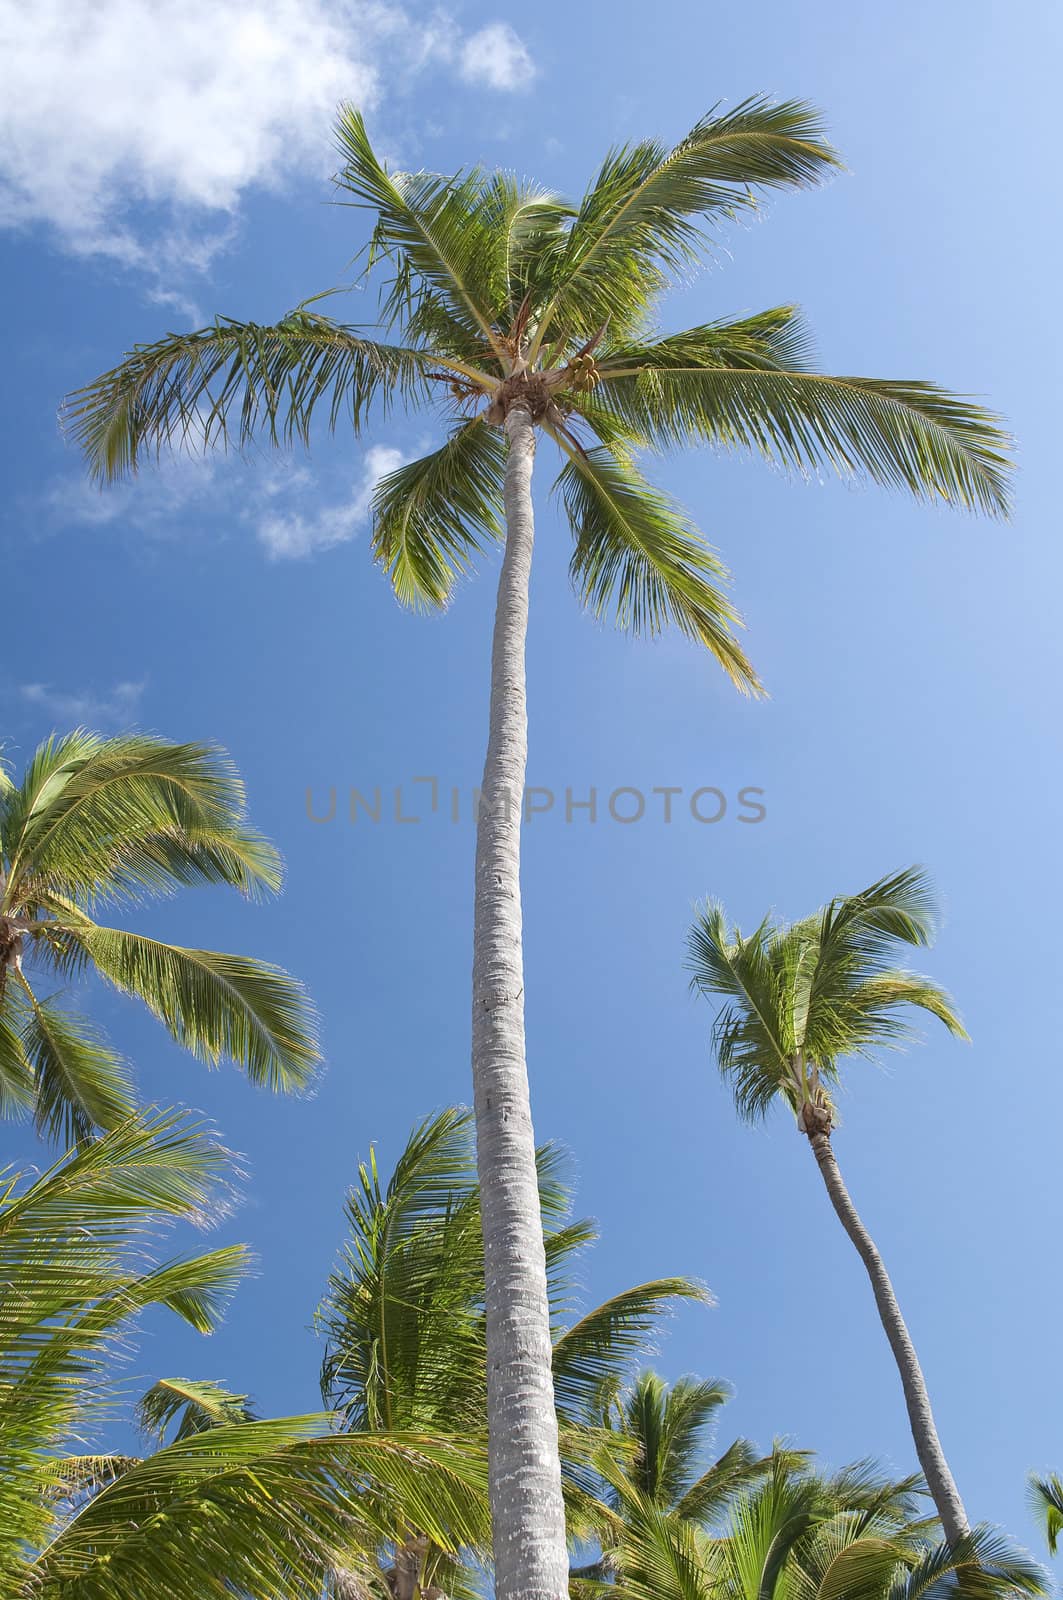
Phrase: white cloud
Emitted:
{"points": [[288, 536], [90, 708], [177, 481], [114, 113], [497, 57]]}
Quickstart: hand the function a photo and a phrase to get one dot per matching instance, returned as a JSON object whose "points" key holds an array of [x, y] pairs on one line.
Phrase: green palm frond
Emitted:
{"points": [[109, 818], [433, 226], [431, 516], [261, 1508], [524, 225], [604, 1342], [899, 434], [638, 222], [1046, 1501], [215, 1005], [637, 557], [16, 1069], [737, 1469], [771, 341], [749, 1033], [192, 1404], [236, 382], [984, 1563], [401, 1314], [80, 1084]]}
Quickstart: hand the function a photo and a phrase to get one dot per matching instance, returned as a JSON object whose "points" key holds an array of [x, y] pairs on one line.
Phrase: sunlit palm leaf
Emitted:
{"points": [[639, 559], [235, 382], [430, 517]]}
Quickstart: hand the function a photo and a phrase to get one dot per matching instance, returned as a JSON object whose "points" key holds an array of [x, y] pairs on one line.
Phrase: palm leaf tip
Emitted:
{"points": [[638, 557]]}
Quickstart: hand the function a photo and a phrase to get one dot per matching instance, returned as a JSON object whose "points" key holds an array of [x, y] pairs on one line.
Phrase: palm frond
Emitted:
{"points": [[431, 516], [215, 1005], [235, 382], [637, 557], [81, 1085], [770, 341], [105, 818], [899, 434], [638, 222], [749, 1033], [189, 1405], [262, 1508], [433, 224], [604, 1343], [1046, 1501]]}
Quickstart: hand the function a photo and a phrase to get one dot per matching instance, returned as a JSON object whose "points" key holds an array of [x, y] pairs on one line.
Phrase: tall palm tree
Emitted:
{"points": [[524, 316], [797, 1000], [229, 1505], [115, 821], [403, 1321]]}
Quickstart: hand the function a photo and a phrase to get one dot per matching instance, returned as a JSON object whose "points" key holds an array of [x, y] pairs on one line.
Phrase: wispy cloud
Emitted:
{"points": [[149, 500], [497, 57], [288, 536], [280, 500], [118, 706], [128, 121]]}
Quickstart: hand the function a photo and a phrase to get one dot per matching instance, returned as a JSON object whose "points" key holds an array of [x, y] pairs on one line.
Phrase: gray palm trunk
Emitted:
{"points": [[939, 1479], [527, 1510]]}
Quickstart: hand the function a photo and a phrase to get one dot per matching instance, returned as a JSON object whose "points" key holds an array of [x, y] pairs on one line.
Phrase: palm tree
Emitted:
{"points": [[798, 999], [658, 1464], [403, 1322], [668, 1429], [525, 316], [1046, 1500], [229, 1505], [116, 820], [806, 1536]]}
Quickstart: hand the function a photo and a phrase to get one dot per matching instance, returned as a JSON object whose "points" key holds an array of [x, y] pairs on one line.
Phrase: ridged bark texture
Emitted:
{"points": [[527, 1510], [939, 1479]]}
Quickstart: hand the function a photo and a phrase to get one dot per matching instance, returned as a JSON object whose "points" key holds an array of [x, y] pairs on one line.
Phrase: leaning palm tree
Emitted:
{"points": [[228, 1504], [115, 821], [403, 1323], [522, 317], [797, 1000]]}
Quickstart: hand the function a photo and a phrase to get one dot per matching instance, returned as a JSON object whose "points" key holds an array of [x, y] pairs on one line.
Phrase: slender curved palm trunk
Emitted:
{"points": [[527, 1510], [939, 1479]]}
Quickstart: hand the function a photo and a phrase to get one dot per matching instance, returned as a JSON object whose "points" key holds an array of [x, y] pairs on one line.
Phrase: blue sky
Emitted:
{"points": [[912, 657]]}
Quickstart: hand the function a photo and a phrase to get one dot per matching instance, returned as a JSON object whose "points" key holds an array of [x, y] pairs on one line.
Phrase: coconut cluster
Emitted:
{"points": [[583, 374]]}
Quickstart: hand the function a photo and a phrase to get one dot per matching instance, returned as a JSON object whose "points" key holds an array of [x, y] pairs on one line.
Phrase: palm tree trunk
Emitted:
{"points": [[527, 1510], [939, 1479]]}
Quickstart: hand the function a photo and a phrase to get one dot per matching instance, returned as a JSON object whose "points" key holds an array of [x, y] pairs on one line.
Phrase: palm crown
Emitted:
{"points": [[230, 1505], [112, 821], [503, 291], [797, 998], [403, 1313]]}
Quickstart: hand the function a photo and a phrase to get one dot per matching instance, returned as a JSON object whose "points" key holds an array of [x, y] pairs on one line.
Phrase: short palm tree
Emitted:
{"points": [[522, 316], [797, 1000], [229, 1505], [669, 1428], [664, 1465], [806, 1536], [403, 1320], [115, 821]]}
